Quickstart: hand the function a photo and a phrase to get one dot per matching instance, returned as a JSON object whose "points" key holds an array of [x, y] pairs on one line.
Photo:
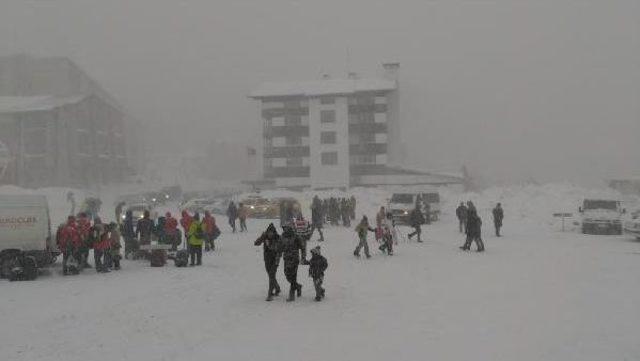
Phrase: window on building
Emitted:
{"points": [[292, 104], [329, 158], [292, 119], [327, 116], [328, 138], [292, 140], [367, 138], [294, 162], [327, 100]]}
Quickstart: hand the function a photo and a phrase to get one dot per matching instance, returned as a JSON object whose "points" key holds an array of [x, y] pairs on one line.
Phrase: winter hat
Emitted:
{"points": [[315, 250]]}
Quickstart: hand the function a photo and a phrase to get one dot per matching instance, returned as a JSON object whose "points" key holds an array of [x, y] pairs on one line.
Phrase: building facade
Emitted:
{"points": [[327, 133], [58, 127], [333, 133]]}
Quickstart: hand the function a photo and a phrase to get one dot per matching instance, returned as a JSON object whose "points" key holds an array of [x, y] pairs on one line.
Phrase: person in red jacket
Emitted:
{"points": [[69, 242], [211, 231], [171, 230], [185, 222], [84, 227]]}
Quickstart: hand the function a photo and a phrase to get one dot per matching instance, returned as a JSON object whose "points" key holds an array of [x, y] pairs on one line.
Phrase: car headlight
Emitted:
{"points": [[166, 196], [253, 207], [405, 213], [153, 199]]}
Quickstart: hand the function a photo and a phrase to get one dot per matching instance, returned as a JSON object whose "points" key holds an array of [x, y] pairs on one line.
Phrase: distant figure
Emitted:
{"points": [[185, 222], [361, 229], [145, 228], [416, 220], [72, 199], [461, 213], [380, 217], [232, 214], [243, 213], [118, 211], [498, 216], [389, 235], [171, 231], [474, 231], [317, 265], [129, 235], [211, 231], [317, 217]]}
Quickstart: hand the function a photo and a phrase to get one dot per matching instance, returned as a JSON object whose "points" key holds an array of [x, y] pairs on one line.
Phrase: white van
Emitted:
{"points": [[25, 235], [401, 204]]}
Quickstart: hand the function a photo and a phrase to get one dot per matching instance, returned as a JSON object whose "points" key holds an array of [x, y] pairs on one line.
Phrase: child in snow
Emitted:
{"points": [[388, 234], [362, 228], [317, 265]]}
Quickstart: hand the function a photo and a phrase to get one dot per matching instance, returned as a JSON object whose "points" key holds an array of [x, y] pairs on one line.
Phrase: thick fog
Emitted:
{"points": [[515, 89]]}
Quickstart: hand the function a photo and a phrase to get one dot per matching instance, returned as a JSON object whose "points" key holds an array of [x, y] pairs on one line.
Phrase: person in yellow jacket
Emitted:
{"points": [[196, 237]]}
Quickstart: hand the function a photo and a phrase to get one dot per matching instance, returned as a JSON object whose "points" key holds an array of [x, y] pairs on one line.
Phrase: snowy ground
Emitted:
{"points": [[536, 294]]}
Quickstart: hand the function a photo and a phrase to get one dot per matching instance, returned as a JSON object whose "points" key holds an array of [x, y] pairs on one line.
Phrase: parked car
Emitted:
{"points": [[601, 216], [632, 225], [26, 244], [260, 207], [197, 205]]}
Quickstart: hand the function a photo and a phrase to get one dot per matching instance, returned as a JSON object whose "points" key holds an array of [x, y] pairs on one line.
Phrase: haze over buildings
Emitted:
{"points": [[516, 90]]}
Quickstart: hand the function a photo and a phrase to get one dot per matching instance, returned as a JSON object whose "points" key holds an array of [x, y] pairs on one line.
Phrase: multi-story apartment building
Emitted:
{"points": [[332, 132]]}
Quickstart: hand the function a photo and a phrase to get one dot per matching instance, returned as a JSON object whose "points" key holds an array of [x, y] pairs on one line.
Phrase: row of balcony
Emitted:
{"points": [[295, 151], [303, 130]]}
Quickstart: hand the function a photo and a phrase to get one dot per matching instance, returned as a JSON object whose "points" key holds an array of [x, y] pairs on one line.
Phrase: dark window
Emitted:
{"points": [[294, 162], [329, 158], [294, 140], [328, 138], [327, 116], [292, 119], [327, 100]]}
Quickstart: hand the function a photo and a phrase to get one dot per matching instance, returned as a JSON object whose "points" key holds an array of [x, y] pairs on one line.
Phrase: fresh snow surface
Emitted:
{"points": [[535, 294]]}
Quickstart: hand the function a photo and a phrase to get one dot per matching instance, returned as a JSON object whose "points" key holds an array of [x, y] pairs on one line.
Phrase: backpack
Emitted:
{"points": [[199, 232], [158, 258], [182, 258]]}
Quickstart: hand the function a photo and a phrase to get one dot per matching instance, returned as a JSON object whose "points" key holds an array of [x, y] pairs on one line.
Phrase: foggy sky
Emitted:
{"points": [[542, 89]]}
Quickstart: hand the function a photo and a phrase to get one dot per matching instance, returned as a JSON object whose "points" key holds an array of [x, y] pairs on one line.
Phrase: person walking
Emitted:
{"points": [[416, 220], [171, 231], [232, 214], [114, 246], [317, 217], [101, 247], [461, 213], [272, 248], [498, 216], [317, 265], [361, 229], [291, 246], [185, 223], [474, 231], [243, 213], [196, 239]]}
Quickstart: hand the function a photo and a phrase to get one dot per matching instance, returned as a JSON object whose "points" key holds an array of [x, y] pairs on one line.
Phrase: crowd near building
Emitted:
{"points": [[57, 125], [332, 133]]}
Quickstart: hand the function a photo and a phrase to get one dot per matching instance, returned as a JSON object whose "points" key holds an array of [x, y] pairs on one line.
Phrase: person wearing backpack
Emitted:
{"points": [[196, 239], [272, 251]]}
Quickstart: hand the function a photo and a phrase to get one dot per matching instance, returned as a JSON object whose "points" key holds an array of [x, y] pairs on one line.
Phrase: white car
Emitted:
{"points": [[632, 226]]}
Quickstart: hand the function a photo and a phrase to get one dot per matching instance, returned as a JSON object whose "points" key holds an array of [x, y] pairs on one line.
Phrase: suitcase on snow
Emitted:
{"points": [[182, 258]]}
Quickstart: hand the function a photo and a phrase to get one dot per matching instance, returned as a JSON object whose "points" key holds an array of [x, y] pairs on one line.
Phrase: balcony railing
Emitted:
{"points": [[281, 112], [367, 128], [291, 151], [286, 131], [369, 108], [368, 148], [287, 172]]}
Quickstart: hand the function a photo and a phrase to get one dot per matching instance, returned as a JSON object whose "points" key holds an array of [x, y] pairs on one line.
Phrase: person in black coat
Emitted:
{"points": [[317, 265], [272, 247], [232, 214], [498, 216], [127, 229], [474, 231], [416, 220], [461, 213], [291, 246], [317, 217]]}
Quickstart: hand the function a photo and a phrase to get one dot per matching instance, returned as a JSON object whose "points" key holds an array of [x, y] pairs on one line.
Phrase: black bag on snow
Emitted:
{"points": [[182, 258]]}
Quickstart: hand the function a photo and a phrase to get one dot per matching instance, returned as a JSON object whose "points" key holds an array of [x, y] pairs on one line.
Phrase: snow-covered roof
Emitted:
{"points": [[9, 104], [322, 87]]}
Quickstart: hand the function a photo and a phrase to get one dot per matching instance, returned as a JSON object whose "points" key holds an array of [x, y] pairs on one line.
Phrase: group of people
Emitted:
{"points": [[471, 224], [337, 211], [78, 235], [237, 213], [288, 246]]}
